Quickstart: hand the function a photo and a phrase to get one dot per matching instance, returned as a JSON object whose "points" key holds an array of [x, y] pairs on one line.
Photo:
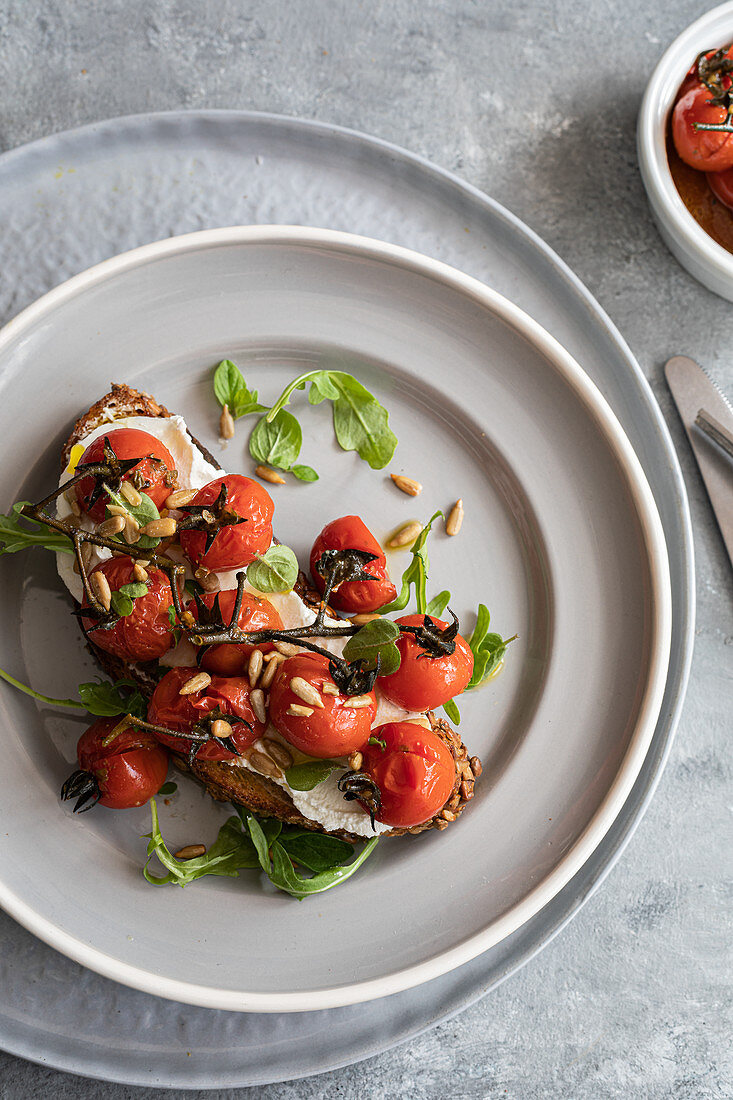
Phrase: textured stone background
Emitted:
{"points": [[536, 104]]}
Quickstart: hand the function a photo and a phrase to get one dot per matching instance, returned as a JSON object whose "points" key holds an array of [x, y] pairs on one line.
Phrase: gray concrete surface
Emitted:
{"points": [[536, 104]]}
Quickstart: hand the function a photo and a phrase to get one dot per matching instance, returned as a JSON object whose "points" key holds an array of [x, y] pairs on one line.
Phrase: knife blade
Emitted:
{"points": [[693, 390]]}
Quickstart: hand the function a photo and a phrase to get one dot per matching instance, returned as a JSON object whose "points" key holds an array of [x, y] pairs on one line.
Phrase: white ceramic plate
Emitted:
{"points": [[562, 540]]}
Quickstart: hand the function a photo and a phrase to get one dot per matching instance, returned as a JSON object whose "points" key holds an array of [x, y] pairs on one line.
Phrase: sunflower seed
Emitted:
{"points": [[269, 674], [330, 689], [139, 572], [365, 617], [264, 764], [405, 535], [197, 683], [221, 728], [355, 761], [254, 668], [130, 493], [226, 424], [455, 519], [131, 533], [278, 752], [286, 648], [110, 527], [298, 711], [117, 510], [359, 701], [190, 851], [407, 484], [180, 498], [257, 699], [160, 528], [307, 692], [267, 474], [102, 590]]}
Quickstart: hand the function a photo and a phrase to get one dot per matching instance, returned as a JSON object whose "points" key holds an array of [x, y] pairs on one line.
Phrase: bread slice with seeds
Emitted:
{"points": [[230, 782]]}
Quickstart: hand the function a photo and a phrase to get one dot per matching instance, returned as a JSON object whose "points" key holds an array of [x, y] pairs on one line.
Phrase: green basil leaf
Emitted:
{"points": [[316, 851], [322, 388], [376, 639], [416, 574], [105, 699], [306, 776], [305, 473], [231, 390], [134, 589], [231, 852], [361, 424], [168, 788], [488, 648], [286, 878], [438, 604], [20, 533], [276, 442], [143, 512], [452, 711], [275, 571], [122, 605]]}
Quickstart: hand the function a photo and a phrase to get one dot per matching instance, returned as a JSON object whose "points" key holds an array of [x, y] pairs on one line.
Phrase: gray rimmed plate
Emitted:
{"points": [[562, 540]]}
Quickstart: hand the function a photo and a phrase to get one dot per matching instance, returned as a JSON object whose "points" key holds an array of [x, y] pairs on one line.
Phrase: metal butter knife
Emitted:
{"points": [[694, 392]]}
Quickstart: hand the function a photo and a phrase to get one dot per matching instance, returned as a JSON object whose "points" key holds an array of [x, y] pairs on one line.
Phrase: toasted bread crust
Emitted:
{"points": [[236, 783]]}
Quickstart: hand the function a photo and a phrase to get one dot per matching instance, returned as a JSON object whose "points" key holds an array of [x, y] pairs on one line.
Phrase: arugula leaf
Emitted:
{"points": [[143, 512], [316, 851], [304, 473], [275, 571], [286, 878], [376, 639], [416, 574], [231, 852], [361, 424], [36, 694], [276, 441], [438, 604], [452, 711], [168, 788], [231, 390], [105, 699], [488, 648], [306, 776], [14, 537]]}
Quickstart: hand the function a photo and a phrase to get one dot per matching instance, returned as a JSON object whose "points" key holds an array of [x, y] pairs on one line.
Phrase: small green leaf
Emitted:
{"points": [[438, 604], [134, 589], [168, 788], [122, 605], [306, 776], [105, 699], [316, 851], [260, 841], [231, 852], [487, 647], [286, 878], [374, 740], [231, 390], [452, 711], [143, 513], [416, 574], [14, 536], [305, 473], [275, 571], [376, 639], [277, 442]]}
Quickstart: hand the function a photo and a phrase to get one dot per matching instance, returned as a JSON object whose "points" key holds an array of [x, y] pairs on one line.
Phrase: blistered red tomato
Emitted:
{"points": [[414, 770], [256, 613], [119, 770], [228, 696], [154, 474], [146, 633], [351, 533], [423, 682], [235, 544], [332, 726], [707, 150]]}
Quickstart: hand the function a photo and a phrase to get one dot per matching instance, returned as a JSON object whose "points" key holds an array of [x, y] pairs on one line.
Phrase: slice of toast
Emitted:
{"points": [[236, 783]]}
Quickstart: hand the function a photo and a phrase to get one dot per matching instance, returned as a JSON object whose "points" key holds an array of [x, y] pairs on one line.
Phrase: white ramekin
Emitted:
{"points": [[706, 260]]}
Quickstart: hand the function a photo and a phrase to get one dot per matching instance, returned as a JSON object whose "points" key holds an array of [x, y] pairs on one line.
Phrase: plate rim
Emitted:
{"points": [[660, 598]]}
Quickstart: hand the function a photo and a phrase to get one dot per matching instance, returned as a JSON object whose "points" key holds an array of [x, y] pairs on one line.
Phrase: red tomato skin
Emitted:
{"points": [[415, 773], [706, 150], [256, 613], [423, 682], [129, 770], [721, 185], [128, 443], [335, 730], [239, 544], [351, 533], [180, 712], [146, 634]]}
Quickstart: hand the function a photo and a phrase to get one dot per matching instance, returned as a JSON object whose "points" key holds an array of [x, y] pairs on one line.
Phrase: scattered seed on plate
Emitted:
{"points": [[226, 424], [407, 484], [405, 535], [190, 851], [267, 474], [455, 519]]}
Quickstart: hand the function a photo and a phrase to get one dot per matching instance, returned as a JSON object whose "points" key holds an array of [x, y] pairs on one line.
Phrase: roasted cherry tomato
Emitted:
{"points": [[351, 533], [146, 633], [119, 770], [423, 681], [227, 696], [414, 770], [235, 544], [317, 722], [707, 150], [256, 613], [721, 185], [155, 473]]}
